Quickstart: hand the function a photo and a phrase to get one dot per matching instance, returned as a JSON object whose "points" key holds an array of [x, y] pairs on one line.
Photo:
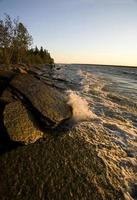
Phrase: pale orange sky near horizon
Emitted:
{"points": [[81, 31], [96, 59]]}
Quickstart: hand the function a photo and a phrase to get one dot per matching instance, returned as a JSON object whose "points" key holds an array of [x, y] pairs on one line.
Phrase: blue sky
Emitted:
{"points": [[80, 31]]}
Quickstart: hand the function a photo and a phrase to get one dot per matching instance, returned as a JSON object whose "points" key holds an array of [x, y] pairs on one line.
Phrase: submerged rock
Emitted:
{"points": [[20, 124], [45, 99]]}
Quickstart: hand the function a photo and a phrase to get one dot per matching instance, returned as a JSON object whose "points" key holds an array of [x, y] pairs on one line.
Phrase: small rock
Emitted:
{"points": [[21, 70]]}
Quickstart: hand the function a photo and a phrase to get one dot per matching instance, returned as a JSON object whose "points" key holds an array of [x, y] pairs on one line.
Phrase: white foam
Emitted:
{"points": [[79, 106]]}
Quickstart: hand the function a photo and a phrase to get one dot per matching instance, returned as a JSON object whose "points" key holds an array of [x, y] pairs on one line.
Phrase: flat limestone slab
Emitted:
{"points": [[20, 124], [46, 99]]}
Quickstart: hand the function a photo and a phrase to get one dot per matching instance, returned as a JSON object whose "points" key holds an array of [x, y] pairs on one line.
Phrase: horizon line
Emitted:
{"points": [[97, 64]]}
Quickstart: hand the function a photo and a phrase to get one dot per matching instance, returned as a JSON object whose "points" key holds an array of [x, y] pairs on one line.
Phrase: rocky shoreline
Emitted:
{"points": [[44, 162], [29, 107]]}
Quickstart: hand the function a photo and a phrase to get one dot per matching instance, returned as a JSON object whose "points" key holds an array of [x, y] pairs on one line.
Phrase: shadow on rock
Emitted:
{"points": [[6, 144]]}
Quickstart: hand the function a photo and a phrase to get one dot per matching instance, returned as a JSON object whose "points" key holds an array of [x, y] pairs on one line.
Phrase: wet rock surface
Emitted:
{"points": [[20, 124]]}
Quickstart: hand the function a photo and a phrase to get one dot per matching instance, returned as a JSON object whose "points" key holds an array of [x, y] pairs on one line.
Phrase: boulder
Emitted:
{"points": [[20, 123], [48, 101]]}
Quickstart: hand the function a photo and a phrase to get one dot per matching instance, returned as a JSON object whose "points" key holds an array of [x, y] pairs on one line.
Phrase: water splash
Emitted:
{"points": [[79, 106]]}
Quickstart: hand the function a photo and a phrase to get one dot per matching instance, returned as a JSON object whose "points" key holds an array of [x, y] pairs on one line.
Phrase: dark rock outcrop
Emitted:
{"points": [[20, 124], [2, 86], [45, 99], [5, 78], [7, 96], [6, 74]]}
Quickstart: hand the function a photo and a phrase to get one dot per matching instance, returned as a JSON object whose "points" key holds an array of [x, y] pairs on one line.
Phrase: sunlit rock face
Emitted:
{"points": [[28, 105], [45, 99], [20, 124]]}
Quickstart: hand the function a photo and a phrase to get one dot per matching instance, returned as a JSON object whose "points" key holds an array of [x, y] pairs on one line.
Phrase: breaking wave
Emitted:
{"points": [[80, 107]]}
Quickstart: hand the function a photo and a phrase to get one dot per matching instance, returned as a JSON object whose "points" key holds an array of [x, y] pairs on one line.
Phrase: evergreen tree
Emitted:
{"points": [[15, 42], [36, 51]]}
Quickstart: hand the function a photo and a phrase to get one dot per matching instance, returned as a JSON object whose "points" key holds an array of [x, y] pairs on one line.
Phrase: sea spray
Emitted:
{"points": [[80, 108]]}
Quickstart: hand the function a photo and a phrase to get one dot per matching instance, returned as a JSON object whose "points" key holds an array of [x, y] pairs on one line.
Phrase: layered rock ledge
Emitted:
{"points": [[30, 106]]}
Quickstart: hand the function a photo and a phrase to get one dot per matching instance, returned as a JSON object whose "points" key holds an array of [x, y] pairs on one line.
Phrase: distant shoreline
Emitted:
{"points": [[96, 65]]}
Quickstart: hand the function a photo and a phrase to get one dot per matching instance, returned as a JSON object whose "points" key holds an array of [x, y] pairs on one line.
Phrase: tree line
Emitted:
{"points": [[15, 45]]}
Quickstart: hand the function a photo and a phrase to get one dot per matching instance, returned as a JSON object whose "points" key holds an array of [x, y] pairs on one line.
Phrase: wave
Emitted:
{"points": [[80, 107]]}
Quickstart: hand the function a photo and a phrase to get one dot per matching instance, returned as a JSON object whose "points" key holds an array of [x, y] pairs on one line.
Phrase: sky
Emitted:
{"points": [[80, 31]]}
